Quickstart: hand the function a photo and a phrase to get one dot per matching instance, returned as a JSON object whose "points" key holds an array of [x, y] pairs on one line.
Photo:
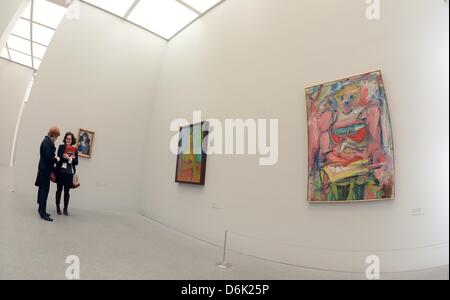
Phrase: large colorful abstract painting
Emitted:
{"points": [[351, 153], [191, 161]]}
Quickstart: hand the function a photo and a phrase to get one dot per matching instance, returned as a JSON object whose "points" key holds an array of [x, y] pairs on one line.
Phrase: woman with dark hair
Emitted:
{"points": [[65, 169]]}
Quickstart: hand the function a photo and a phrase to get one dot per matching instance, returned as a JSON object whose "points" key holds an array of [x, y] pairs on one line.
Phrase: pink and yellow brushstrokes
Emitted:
{"points": [[351, 155], [191, 161]]}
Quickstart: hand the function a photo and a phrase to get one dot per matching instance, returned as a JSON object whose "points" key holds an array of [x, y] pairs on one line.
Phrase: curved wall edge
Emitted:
{"points": [[416, 259]]}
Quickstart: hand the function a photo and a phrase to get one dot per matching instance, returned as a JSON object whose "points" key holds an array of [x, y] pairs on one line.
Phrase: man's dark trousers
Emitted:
{"points": [[44, 189]]}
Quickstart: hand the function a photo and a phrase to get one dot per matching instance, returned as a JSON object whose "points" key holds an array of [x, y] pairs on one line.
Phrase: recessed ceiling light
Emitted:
{"points": [[163, 17]]}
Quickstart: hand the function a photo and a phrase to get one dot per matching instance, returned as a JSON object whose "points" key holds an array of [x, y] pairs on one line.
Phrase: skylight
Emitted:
{"points": [[117, 7], [4, 53], [22, 29], [164, 18], [34, 30], [48, 13], [33, 33], [201, 5]]}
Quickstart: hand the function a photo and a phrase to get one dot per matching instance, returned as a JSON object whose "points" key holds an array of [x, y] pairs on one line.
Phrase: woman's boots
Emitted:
{"points": [[66, 204], [64, 212]]}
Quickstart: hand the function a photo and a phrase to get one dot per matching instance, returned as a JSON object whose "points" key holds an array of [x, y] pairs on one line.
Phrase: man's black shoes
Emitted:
{"points": [[46, 217]]}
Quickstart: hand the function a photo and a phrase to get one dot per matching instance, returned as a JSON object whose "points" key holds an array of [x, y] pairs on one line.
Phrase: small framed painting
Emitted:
{"points": [[85, 143], [191, 159]]}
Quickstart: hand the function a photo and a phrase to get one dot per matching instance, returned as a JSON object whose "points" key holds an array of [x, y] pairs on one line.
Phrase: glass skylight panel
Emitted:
{"points": [[117, 7], [39, 51], [4, 53], [201, 5], [19, 44], [42, 35], [22, 29], [37, 63], [48, 13], [20, 58], [27, 13], [163, 17], [28, 48]]}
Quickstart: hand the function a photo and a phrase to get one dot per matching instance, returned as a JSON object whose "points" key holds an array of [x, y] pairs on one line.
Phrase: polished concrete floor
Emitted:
{"points": [[128, 246]]}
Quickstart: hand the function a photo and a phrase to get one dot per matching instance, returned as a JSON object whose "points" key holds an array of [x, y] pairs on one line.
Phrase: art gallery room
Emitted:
{"points": [[224, 140]]}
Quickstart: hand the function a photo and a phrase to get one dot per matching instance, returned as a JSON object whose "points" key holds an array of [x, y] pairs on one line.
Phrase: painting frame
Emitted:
{"points": [[91, 136], [204, 125], [387, 133]]}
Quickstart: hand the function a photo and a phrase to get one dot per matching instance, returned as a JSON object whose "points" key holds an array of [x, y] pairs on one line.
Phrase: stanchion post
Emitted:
{"points": [[224, 264]]}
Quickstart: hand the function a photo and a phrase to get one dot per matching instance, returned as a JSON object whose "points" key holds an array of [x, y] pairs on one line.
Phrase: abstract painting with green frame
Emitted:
{"points": [[191, 160]]}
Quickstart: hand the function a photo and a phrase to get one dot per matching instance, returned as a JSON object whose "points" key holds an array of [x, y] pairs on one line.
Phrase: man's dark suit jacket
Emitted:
{"points": [[46, 162]]}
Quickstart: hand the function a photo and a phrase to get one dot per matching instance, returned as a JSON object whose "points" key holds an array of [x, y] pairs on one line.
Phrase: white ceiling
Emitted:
{"points": [[33, 33]]}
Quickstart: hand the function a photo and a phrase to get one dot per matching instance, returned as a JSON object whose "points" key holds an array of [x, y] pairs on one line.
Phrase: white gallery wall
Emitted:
{"points": [[247, 59], [253, 59], [14, 80], [99, 73]]}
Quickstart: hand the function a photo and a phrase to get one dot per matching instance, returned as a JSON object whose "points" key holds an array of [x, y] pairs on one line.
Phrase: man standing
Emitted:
{"points": [[46, 166]]}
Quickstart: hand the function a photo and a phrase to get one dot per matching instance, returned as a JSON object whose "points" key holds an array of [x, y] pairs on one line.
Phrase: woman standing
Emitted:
{"points": [[65, 169]]}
